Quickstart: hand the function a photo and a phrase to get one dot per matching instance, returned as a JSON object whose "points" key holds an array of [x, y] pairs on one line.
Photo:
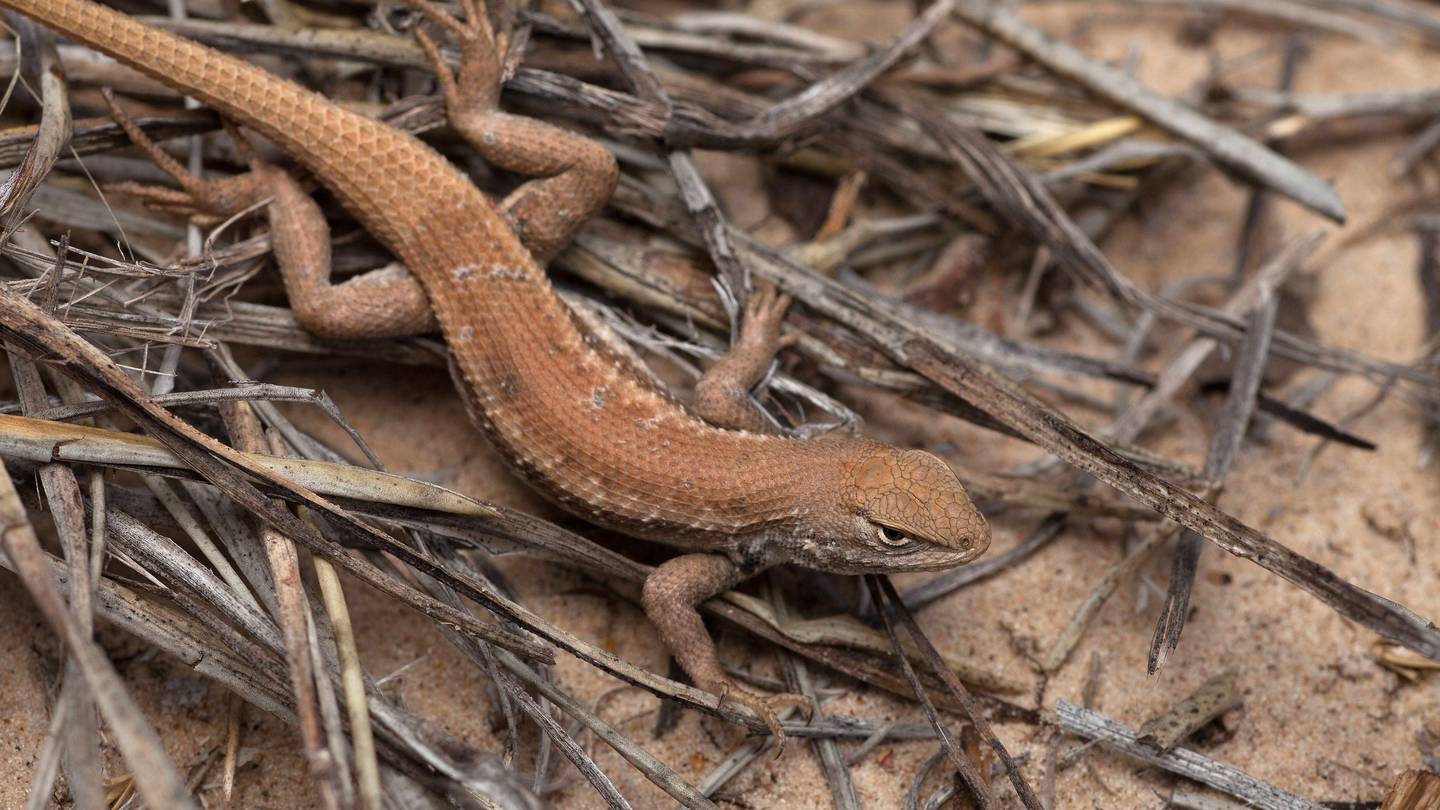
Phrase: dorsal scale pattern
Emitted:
{"points": [[572, 419]]}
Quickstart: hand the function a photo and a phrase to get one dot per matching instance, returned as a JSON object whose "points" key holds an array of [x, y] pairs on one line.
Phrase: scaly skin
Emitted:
{"points": [[573, 420]]}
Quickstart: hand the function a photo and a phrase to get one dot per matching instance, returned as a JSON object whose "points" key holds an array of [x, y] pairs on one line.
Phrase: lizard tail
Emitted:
{"points": [[343, 149]]}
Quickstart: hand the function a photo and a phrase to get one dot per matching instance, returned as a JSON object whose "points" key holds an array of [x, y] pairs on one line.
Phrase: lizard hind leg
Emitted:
{"points": [[670, 595], [574, 175], [214, 196], [387, 302]]}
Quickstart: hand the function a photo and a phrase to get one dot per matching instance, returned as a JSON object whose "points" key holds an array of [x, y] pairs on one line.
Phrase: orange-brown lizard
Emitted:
{"points": [[573, 419]]}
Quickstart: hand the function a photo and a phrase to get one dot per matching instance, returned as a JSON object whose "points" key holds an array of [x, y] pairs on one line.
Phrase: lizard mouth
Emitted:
{"points": [[931, 558], [937, 558]]}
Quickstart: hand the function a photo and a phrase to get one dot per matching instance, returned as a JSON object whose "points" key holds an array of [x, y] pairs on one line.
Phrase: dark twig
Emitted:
{"points": [[82, 760], [1258, 202], [52, 136], [788, 116], [1226, 147], [567, 744], [293, 616], [1018, 196], [1224, 447], [1419, 148], [884, 594], [1424, 23], [698, 200], [949, 582], [22, 322], [1290, 13], [1065, 643], [962, 763], [1095, 726], [799, 681], [1322, 107], [965, 378], [1427, 271], [155, 775]]}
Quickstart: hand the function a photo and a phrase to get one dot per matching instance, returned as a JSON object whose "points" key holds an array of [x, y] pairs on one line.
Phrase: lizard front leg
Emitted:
{"points": [[574, 174], [670, 595], [387, 302], [722, 396]]}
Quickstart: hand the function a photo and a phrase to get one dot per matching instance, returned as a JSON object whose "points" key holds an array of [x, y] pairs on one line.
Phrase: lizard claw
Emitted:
{"points": [[767, 707], [207, 199], [476, 85], [764, 315]]}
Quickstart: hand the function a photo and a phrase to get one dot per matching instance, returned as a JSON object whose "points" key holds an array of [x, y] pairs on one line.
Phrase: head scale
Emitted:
{"points": [[907, 511], [918, 495]]}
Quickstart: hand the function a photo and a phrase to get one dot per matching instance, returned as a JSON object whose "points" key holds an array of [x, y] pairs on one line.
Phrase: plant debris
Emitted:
{"points": [[940, 200]]}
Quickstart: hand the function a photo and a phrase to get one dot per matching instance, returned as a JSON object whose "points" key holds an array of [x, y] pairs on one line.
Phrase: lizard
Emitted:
{"points": [[569, 415]]}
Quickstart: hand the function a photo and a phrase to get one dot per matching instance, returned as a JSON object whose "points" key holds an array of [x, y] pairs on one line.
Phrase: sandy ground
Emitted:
{"points": [[1320, 718]]}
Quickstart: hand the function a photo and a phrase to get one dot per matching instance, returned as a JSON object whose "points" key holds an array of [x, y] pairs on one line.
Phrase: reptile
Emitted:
{"points": [[570, 415]]}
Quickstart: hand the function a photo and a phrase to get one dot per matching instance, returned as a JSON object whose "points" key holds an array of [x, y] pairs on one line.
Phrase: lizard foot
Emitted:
{"points": [[764, 315], [476, 85], [722, 396], [767, 707], [212, 196]]}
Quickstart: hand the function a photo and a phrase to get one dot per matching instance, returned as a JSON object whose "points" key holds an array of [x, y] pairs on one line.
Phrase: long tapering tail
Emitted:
{"points": [[345, 150]]}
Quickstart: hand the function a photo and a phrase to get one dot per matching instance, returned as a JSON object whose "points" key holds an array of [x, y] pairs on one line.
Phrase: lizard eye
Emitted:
{"points": [[891, 537]]}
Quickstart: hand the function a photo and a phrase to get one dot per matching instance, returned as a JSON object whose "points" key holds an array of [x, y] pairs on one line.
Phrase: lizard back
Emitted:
{"points": [[567, 416]]}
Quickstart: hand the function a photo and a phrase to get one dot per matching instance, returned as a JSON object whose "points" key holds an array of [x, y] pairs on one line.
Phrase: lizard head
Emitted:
{"points": [[905, 510]]}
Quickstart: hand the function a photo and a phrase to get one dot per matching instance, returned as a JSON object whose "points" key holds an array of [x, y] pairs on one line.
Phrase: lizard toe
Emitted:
{"points": [[769, 708]]}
